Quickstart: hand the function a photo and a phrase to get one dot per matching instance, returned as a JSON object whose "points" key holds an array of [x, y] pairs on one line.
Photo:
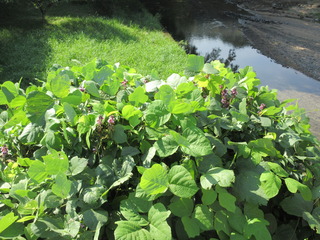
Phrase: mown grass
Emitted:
{"points": [[29, 47]]}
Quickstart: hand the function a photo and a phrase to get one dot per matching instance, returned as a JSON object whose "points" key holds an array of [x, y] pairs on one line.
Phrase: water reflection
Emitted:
{"points": [[210, 32]]}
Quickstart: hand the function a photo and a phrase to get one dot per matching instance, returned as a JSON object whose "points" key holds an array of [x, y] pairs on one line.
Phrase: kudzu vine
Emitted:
{"points": [[102, 152]]}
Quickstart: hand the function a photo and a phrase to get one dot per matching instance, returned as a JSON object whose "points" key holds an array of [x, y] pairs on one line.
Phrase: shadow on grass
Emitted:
{"points": [[24, 47], [92, 27]]}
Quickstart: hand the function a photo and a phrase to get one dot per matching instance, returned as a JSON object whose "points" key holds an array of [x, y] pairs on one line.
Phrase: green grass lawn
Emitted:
{"points": [[29, 47]]}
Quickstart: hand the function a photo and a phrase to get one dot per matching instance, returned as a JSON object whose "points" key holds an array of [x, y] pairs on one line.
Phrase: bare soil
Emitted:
{"points": [[289, 33]]}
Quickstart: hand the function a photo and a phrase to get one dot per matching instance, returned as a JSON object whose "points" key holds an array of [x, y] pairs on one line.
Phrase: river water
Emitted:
{"points": [[211, 31]]}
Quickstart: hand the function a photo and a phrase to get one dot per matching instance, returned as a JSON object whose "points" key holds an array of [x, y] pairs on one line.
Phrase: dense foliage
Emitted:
{"points": [[102, 152]]}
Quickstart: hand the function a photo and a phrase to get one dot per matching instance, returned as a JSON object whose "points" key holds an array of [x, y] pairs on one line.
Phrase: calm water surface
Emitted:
{"points": [[206, 26]]}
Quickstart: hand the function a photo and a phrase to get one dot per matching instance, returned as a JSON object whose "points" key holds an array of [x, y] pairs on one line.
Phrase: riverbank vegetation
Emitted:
{"points": [[76, 33], [101, 150]]}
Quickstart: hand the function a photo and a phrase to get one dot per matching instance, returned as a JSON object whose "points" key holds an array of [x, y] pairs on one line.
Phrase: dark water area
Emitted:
{"points": [[210, 29]]}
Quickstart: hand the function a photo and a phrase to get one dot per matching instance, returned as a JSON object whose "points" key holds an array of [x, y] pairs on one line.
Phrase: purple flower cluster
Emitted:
{"points": [[124, 83], [82, 89], [4, 150], [99, 121], [226, 98], [261, 107], [111, 120], [234, 92]]}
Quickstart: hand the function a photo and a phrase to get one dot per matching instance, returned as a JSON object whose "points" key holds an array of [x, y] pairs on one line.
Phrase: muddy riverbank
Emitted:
{"points": [[287, 36]]}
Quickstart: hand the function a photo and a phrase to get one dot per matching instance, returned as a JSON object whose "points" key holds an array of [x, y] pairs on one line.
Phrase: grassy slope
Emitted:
{"points": [[28, 48]]}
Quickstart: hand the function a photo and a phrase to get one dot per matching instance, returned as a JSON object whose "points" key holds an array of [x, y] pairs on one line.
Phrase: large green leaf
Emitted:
{"points": [[156, 114], [119, 135], [195, 63], [166, 94], [18, 102], [313, 219], [221, 224], [262, 147], [204, 217], [132, 114], [127, 230], [19, 117], [217, 175], [138, 96], [111, 86], [129, 210], [237, 220], [182, 206], [31, 134], [270, 183], [141, 204], [293, 186], [85, 123], [181, 182], [166, 146], [70, 113], [180, 107], [285, 231], [277, 169], [184, 88], [56, 163], [209, 196], [102, 75], [92, 88], [159, 228], [296, 205], [7, 220], [191, 226], [9, 91], [77, 165], [248, 187], [91, 195], [14, 231], [60, 85], [91, 218], [238, 116], [74, 98], [155, 180], [37, 171], [257, 228], [226, 199], [62, 185], [199, 144], [36, 106]]}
